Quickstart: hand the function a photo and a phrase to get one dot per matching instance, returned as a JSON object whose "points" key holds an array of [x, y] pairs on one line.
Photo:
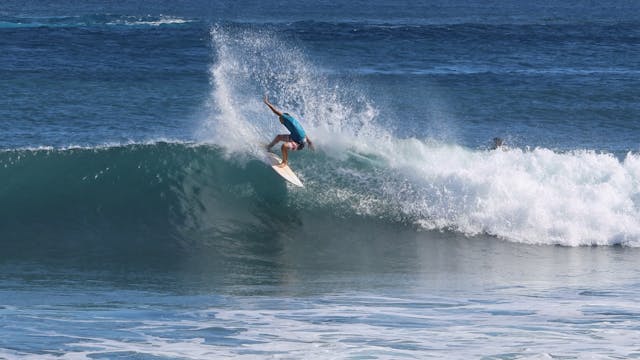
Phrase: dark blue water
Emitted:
{"points": [[138, 219], [562, 77]]}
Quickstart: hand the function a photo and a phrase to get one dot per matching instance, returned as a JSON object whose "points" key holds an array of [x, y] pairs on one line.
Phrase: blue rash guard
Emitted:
{"points": [[297, 132]]}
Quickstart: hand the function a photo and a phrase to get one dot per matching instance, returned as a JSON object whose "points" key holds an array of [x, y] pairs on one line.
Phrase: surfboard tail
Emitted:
{"points": [[284, 171]]}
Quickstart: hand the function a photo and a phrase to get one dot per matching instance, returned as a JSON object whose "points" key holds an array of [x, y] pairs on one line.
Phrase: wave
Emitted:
{"points": [[536, 197], [129, 199], [161, 198], [12, 22], [167, 197]]}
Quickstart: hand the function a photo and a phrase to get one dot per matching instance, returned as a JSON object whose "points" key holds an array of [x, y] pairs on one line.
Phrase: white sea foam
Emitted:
{"points": [[539, 196], [103, 145], [150, 21]]}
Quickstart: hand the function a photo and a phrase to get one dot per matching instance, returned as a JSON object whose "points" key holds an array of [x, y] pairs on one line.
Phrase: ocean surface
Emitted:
{"points": [[139, 220]]}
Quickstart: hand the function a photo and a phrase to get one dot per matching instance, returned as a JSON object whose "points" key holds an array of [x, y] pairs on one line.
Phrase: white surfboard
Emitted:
{"points": [[284, 171]]}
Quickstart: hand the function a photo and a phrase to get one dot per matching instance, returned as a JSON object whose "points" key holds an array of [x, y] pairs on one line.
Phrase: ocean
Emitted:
{"points": [[139, 220]]}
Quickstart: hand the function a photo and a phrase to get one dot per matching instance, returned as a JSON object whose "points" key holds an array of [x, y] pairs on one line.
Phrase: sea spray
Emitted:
{"points": [[250, 64]]}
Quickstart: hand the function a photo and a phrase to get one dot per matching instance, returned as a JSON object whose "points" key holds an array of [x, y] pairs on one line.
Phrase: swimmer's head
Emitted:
{"points": [[497, 142]]}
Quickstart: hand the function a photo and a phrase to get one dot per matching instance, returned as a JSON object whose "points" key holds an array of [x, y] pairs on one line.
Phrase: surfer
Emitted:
{"points": [[297, 138]]}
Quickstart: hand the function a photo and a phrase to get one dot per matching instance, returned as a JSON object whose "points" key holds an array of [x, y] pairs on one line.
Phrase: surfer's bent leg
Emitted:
{"points": [[277, 139], [285, 156], [288, 145]]}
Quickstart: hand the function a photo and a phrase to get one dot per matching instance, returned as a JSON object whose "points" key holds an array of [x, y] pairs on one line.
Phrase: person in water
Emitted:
{"points": [[498, 143], [297, 138]]}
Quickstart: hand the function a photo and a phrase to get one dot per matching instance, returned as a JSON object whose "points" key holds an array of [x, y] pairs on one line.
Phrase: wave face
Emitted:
{"points": [[135, 199], [166, 198]]}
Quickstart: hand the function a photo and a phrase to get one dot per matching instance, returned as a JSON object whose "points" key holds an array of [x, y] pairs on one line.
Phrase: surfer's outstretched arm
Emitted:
{"points": [[273, 108]]}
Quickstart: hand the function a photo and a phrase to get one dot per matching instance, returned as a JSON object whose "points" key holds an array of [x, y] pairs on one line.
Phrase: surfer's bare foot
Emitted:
{"points": [[282, 164]]}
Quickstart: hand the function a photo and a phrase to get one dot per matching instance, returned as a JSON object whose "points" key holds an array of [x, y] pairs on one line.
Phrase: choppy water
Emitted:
{"points": [[138, 221]]}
